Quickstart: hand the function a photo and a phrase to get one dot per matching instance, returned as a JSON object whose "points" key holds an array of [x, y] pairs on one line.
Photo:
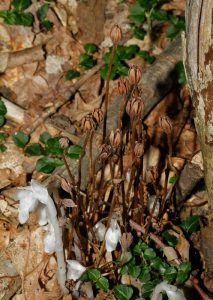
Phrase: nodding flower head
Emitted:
{"points": [[113, 235], [74, 269]]}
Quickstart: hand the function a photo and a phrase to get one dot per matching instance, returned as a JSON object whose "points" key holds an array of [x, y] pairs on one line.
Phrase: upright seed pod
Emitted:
{"points": [[87, 123], [123, 86], [98, 115], [134, 75], [116, 34], [166, 124], [139, 150], [115, 138]]}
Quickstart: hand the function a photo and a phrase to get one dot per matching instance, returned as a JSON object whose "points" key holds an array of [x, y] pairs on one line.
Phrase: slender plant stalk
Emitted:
{"points": [[106, 99], [72, 179], [80, 160]]}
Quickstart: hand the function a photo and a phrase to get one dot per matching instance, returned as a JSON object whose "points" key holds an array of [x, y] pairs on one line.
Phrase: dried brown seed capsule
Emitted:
{"points": [[139, 149], [135, 107], [134, 74], [87, 123], [116, 34], [123, 86], [166, 124], [105, 151], [152, 173], [64, 142], [126, 240], [115, 138], [98, 115]]}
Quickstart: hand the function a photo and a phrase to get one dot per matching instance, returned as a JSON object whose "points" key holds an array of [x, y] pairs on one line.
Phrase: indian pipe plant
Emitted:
{"points": [[116, 227]]}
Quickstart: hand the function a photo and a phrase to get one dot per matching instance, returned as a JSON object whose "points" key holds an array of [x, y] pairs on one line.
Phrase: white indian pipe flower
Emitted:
{"points": [[172, 292], [113, 235], [34, 197], [28, 202], [74, 269], [49, 240], [100, 231]]}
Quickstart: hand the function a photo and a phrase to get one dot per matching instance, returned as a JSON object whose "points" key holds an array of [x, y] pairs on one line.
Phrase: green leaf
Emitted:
{"points": [[139, 248], [147, 289], [20, 139], [158, 265], [15, 18], [160, 15], [3, 135], [90, 48], [74, 151], [145, 275], [190, 224], [130, 51], [48, 164], [44, 137], [53, 146], [139, 33], [123, 292], [71, 74], [47, 24], [170, 274], [145, 55], [124, 258], [94, 274], [180, 72], [102, 283], [3, 109], [183, 272], [171, 239], [134, 271], [42, 12], [137, 13], [149, 254], [2, 120], [116, 59], [104, 70], [87, 61], [20, 5], [124, 270], [122, 70], [34, 149], [3, 148]]}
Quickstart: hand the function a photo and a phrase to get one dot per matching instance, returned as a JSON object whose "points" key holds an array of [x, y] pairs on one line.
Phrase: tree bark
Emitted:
{"points": [[199, 69]]}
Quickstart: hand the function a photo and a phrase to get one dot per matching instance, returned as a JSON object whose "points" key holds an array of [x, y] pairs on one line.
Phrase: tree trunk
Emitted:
{"points": [[199, 69]]}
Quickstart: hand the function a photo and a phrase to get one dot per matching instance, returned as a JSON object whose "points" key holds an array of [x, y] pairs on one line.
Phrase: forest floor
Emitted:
{"points": [[120, 158]]}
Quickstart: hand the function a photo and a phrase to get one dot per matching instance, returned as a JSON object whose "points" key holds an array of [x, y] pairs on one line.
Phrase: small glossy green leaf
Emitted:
{"points": [[134, 270], [2, 120], [130, 51], [139, 33], [190, 224], [71, 74], [3, 135], [160, 15], [171, 239], [94, 274], [47, 24], [137, 13], [87, 61], [158, 265], [102, 283], [34, 149], [183, 272], [170, 274], [3, 109], [53, 146], [122, 70], [123, 292], [74, 151], [21, 4], [147, 289], [124, 270], [149, 254], [139, 248], [173, 179], [20, 139], [3, 148], [145, 275], [104, 71], [90, 48], [42, 12], [145, 55], [44, 137], [48, 164], [107, 56]]}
